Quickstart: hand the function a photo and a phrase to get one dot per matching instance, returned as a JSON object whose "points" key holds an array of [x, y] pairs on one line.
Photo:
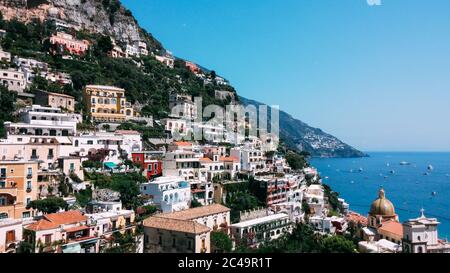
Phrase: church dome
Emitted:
{"points": [[382, 206]]}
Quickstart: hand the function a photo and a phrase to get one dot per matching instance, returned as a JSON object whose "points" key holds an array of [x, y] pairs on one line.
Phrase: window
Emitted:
{"points": [[3, 172], [50, 153], [72, 167], [26, 214], [30, 172], [33, 154], [2, 202], [48, 239], [10, 236], [28, 201]]}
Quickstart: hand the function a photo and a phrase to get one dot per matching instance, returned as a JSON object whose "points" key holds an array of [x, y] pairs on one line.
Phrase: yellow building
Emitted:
{"points": [[18, 187], [107, 103]]}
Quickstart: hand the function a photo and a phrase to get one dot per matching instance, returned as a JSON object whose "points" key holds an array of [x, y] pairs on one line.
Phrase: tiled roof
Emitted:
{"points": [[182, 143], [185, 226], [392, 227], [357, 218], [206, 160], [229, 159], [196, 213], [52, 221]]}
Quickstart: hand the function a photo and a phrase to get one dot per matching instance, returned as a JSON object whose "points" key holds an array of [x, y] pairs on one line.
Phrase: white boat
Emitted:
{"points": [[430, 167], [404, 163]]}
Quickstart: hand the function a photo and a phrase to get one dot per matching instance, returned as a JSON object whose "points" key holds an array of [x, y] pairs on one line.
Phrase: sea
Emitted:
{"points": [[423, 183]]}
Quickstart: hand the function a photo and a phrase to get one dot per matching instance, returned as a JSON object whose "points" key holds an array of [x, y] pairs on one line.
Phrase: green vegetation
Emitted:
{"points": [[220, 242], [195, 204], [84, 197], [243, 196], [48, 205], [332, 197], [295, 160], [7, 100], [122, 243]]}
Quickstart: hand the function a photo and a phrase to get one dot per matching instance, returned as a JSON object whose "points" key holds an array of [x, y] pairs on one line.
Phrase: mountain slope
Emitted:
{"points": [[299, 135], [107, 17], [149, 83]]}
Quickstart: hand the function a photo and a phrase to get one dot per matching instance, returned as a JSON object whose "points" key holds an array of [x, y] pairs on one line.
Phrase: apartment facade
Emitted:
{"points": [[169, 193], [69, 43], [18, 187], [55, 100], [107, 103], [12, 79]]}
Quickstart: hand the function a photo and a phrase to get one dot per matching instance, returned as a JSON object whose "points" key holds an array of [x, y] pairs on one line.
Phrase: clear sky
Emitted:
{"points": [[375, 76]]}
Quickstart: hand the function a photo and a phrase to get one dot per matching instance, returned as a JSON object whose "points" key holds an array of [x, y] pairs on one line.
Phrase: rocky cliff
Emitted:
{"points": [[108, 17]]}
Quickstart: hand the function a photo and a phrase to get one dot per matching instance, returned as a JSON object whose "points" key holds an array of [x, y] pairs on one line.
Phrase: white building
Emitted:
{"points": [[169, 193], [5, 56], [182, 106], [10, 234], [119, 143], [421, 236], [37, 120], [167, 59], [252, 160], [14, 80], [261, 228]]}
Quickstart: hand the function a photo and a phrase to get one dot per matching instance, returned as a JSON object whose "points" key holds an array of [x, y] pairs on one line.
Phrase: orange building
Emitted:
{"points": [[68, 42], [18, 187]]}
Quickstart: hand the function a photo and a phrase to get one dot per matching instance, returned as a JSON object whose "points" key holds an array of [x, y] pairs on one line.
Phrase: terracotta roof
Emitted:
{"points": [[357, 218], [185, 226], [228, 159], [206, 160], [392, 227], [182, 143], [196, 213], [52, 221]]}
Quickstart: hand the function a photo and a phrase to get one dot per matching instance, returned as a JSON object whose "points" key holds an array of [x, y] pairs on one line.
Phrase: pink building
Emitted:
{"points": [[74, 46]]}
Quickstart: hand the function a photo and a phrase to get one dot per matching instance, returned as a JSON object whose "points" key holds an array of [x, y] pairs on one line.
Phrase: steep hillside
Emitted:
{"points": [[108, 17], [299, 135], [147, 81]]}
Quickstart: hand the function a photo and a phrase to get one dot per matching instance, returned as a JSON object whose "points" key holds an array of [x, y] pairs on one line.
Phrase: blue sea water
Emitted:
{"points": [[359, 179]]}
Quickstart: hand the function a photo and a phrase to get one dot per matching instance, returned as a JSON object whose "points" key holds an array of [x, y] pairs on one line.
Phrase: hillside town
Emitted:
{"points": [[74, 180]]}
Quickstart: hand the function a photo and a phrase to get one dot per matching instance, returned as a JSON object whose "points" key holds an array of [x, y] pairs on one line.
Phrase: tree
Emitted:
{"points": [[48, 205], [123, 243], [128, 185], [104, 45], [337, 244], [7, 100], [195, 204], [84, 197], [221, 242], [295, 160]]}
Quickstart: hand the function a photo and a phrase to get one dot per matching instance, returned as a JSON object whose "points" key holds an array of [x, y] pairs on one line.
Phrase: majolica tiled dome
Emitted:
{"points": [[382, 206]]}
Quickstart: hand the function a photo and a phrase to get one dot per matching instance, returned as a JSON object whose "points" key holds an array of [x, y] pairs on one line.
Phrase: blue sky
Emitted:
{"points": [[377, 77]]}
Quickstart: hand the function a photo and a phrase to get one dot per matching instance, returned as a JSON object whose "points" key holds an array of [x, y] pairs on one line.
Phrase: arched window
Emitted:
{"points": [[3, 215]]}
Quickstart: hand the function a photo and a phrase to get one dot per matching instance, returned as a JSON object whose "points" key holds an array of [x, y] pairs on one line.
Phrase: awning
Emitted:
{"points": [[110, 165]]}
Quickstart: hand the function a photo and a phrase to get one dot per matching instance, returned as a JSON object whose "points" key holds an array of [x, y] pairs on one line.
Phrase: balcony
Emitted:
{"points": [[34, 157], [9, 190], [29, 190], [29, 175]]}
